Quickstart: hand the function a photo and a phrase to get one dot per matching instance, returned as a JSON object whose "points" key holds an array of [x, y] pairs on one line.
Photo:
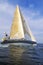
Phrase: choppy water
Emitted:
{"points": [[21, 54]]}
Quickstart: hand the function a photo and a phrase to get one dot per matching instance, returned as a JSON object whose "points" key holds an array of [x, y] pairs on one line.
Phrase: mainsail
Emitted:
{"points": [[19, 27]]}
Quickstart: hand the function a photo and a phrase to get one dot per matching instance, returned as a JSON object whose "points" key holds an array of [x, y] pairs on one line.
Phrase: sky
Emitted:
{"points": [[32, 11]]}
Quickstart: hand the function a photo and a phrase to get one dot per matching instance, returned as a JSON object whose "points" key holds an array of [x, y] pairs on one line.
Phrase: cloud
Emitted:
{"points": [[31, 6], [7, 8], [6, 15]]}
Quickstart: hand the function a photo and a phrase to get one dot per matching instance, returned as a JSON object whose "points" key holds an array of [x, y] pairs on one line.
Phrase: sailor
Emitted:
{"points": [[6, 37]]}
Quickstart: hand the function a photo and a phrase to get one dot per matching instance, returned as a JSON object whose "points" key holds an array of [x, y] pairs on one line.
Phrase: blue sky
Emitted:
{"points": [[32, 11]]}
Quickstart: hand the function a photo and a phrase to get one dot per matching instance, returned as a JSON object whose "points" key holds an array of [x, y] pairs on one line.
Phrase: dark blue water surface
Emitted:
{"points": [[21, 54]]}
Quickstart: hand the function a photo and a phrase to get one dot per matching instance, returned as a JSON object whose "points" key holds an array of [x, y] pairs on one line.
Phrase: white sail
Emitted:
{"points": [[27, 30]]}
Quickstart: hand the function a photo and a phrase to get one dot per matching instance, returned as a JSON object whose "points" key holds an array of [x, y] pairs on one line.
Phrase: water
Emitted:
{"points": [[21, 54]]}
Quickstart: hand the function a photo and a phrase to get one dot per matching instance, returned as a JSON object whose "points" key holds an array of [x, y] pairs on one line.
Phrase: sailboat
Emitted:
{"points": [[18, 30]]}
